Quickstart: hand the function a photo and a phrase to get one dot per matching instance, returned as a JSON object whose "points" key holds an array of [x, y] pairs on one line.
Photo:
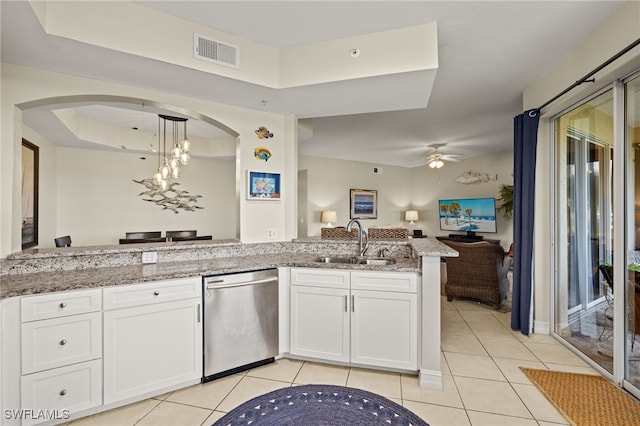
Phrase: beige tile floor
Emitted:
{"points": [[483, 384]]}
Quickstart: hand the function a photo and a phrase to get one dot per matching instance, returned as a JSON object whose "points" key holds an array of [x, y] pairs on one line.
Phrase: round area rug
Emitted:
{"points": [[320, 405]]}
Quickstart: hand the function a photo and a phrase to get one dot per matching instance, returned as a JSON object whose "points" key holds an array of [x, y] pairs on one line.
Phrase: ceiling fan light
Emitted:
{"points": [[439, 164], [432, 164]]}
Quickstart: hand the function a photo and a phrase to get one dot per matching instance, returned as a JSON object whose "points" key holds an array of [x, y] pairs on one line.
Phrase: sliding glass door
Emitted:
{"points": [[584, 141], [597, 217], [632, 194]]}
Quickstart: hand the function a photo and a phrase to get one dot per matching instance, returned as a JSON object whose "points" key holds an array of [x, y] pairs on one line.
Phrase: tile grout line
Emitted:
{"points": [[533, 417]]}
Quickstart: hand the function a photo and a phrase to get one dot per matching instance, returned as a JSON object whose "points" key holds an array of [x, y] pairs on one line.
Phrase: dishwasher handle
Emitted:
{"points": [[212, 285]]}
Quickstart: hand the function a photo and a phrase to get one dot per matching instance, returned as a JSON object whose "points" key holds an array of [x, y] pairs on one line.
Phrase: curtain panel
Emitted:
{"points": [[525, 141]]}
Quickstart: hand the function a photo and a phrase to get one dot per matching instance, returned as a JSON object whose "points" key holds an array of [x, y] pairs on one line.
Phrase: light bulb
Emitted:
{"points": [[174, 163], [175, 172], [185, 145], [432, 164], [157, 178], [439, 164], [185, 158], [164, 184], [165, 170], [176, 152]]}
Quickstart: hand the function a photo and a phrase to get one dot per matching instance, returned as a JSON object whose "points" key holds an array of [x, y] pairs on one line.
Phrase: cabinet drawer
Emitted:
{"points": [[406, 282], [60, 304], [62, 391], [320, 278], [62, 341], [126, 296]]}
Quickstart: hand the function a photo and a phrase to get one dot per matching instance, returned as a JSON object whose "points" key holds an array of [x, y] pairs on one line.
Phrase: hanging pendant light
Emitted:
{"points": [[169, 163]]}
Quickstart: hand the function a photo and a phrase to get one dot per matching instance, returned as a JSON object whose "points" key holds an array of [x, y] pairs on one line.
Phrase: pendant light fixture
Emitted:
{"points": [[169, 166]]}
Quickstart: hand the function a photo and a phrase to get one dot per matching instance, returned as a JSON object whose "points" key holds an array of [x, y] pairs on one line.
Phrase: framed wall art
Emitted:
{"points": [[263, 186], [364, 204], [30, 166]]}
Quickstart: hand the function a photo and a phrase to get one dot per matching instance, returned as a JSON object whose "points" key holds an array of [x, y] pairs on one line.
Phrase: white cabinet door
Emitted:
{"points": [[320, 323], [57, 393], [61, 341], [384, 329], [149, 348]]}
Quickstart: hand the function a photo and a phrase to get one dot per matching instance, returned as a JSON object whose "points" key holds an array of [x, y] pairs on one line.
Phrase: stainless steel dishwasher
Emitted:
{"points": [[240, 321]]}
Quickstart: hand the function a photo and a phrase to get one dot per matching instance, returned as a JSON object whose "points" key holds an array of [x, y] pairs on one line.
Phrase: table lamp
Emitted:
{"points": [[328, 216], [411, 216]]}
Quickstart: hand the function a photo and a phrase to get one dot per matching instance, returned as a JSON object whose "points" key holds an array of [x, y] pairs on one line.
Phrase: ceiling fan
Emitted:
{"points": [[437, 159]]}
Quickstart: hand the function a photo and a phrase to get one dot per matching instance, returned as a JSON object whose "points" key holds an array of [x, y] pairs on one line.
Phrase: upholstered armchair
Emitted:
{"points": [[479, 272]]}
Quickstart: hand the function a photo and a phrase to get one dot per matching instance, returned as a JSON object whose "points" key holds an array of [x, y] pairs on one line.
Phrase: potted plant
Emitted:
{"points": [[506, 197]]}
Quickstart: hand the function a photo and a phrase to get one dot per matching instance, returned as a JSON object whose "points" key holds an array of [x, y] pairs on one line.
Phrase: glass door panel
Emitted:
{"points": [[632, 305], [584, 297]]}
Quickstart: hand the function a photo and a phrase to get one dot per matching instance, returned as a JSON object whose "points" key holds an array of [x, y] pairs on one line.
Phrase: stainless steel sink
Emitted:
{"points": [[336, 260], [378, 261]]}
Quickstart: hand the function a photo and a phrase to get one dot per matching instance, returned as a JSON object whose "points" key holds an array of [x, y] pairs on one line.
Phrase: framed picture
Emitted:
{"points": [[364, 204], [263, 186], [30, 166]]}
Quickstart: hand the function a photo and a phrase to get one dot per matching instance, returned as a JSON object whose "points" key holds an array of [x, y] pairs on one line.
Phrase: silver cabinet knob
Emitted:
{"points": [[63, 392], [63, 305], [156, 293], [63, 342]]}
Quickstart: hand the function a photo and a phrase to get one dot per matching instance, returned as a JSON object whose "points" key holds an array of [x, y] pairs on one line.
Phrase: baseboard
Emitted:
{"points": [[541, 327], [430, 379]]}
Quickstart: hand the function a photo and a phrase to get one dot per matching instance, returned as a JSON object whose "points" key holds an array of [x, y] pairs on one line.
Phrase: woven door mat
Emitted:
{"points": [[586, 400]]}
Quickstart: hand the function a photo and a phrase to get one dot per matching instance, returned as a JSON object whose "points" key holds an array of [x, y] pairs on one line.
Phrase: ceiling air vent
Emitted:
{"points": [[210, 50]]}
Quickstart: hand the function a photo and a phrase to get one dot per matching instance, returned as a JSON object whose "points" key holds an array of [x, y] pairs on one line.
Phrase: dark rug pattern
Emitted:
{"points": [[320, 405]]}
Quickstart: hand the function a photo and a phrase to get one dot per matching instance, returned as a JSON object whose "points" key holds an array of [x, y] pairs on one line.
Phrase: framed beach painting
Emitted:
{"points": [[364, 204], [263, 186], [30, 166]]}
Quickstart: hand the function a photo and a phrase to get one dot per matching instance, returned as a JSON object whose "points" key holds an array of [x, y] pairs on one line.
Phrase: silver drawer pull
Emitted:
{"points": [[63, 342], [156, 293], [63, 392], [63, 305]]}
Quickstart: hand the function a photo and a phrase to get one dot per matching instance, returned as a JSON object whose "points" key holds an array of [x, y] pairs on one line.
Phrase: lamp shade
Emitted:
{"points": [[328, 216], [411, 215]]}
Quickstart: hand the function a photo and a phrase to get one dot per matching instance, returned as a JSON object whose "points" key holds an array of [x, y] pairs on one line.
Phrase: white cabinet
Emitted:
{"points": [[62, 341], [152, 337], [61, 351], [320, 323], [361, 317], [384, 329], [62, 391]]}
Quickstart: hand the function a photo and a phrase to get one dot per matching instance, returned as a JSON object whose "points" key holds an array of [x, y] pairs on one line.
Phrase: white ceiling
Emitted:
{"points": [[489, 52]]}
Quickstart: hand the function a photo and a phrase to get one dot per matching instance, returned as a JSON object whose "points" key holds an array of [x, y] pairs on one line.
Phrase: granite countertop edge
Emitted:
{"points": [[48, 282]]}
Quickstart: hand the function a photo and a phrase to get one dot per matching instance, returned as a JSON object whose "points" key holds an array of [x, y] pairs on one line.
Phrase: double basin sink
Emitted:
{"points": [[354, 260]]}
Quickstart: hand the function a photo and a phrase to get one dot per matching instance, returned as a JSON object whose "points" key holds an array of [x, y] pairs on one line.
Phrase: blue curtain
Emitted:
{"points": [[525, 141]]}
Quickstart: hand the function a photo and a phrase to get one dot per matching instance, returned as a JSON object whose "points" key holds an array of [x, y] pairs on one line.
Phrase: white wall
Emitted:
{"points": [[98, 201], [47, 188], [400, 189], [330, 180], [22, 85], [430, 185], [616, 33]]}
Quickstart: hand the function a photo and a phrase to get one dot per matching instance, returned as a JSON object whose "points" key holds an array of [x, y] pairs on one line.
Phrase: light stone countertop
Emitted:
{"points": [[46, 282], [81, 269]]}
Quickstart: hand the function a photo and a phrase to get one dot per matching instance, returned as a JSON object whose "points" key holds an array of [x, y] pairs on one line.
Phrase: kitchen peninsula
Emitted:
{"points": [[99, 273]]}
